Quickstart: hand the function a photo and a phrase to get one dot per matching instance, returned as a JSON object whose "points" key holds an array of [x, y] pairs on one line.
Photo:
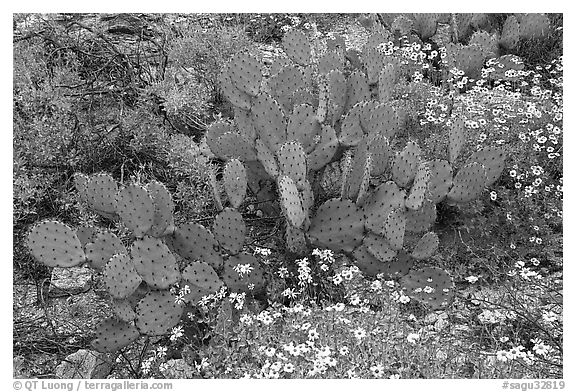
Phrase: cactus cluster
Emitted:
{"points": [[140, 280], [386, 196]]}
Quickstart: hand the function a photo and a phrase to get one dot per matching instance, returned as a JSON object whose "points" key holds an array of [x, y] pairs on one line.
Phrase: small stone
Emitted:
{"points": [[70, 281], [86, 364]]}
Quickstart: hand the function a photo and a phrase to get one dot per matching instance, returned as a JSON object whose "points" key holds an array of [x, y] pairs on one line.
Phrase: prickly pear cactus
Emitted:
{"points": [[121, 277], [493, 160], [194, 242], [163, 221], [426, 246], [406, 164], [291, 201], [229, 230], [468, 183], [158, 312], [136, 209], [155, 263], [246, 73], [338, 225], [510, 33], [297, 47], [101, 193], [113, 335], [55, 244], [235, 182], [201, 279], [456, 139]]}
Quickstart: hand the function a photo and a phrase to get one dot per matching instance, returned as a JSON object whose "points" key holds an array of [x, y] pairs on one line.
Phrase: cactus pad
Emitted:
{"points": [[338, 225], [425, 25], [330, 61], [297, 47], [266, 158], [163, 221], [456, 139], [102, 190], [234, 145], [269, 121], [86, 234], [378, 205], [237, 97], [251, 282], [371, 266], [245, 123], [292, 161], [214, 131], [394, 228], [534, 26], [383, 119], [201, 280], [367, 262], [430, 285], [426, 246], [55, 244], [380, 152], [246, 73], [468, 184], [351, 131], [155, 263], [510, 33], [120, 276], [229, 230], [373, 61], [113, 335], [105, 246], [406, 164], [354, 179], [303, 126], [336, 95], [283, 85], [136, 209], [290, 201], [357, 90], [235, 182], [157, 313], [486, 41], [440, 180], [194, 242], [386, 81], [379, 247], [418, 191], [421, 220], [493, 159], [365, 110], [376, 39], [123, 310], [325, 149], [365, 183]]}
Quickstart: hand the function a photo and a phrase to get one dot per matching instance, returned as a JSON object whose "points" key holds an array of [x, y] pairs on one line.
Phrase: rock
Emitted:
{"points": [[85, 364], [70, 281], [177, 369]]}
